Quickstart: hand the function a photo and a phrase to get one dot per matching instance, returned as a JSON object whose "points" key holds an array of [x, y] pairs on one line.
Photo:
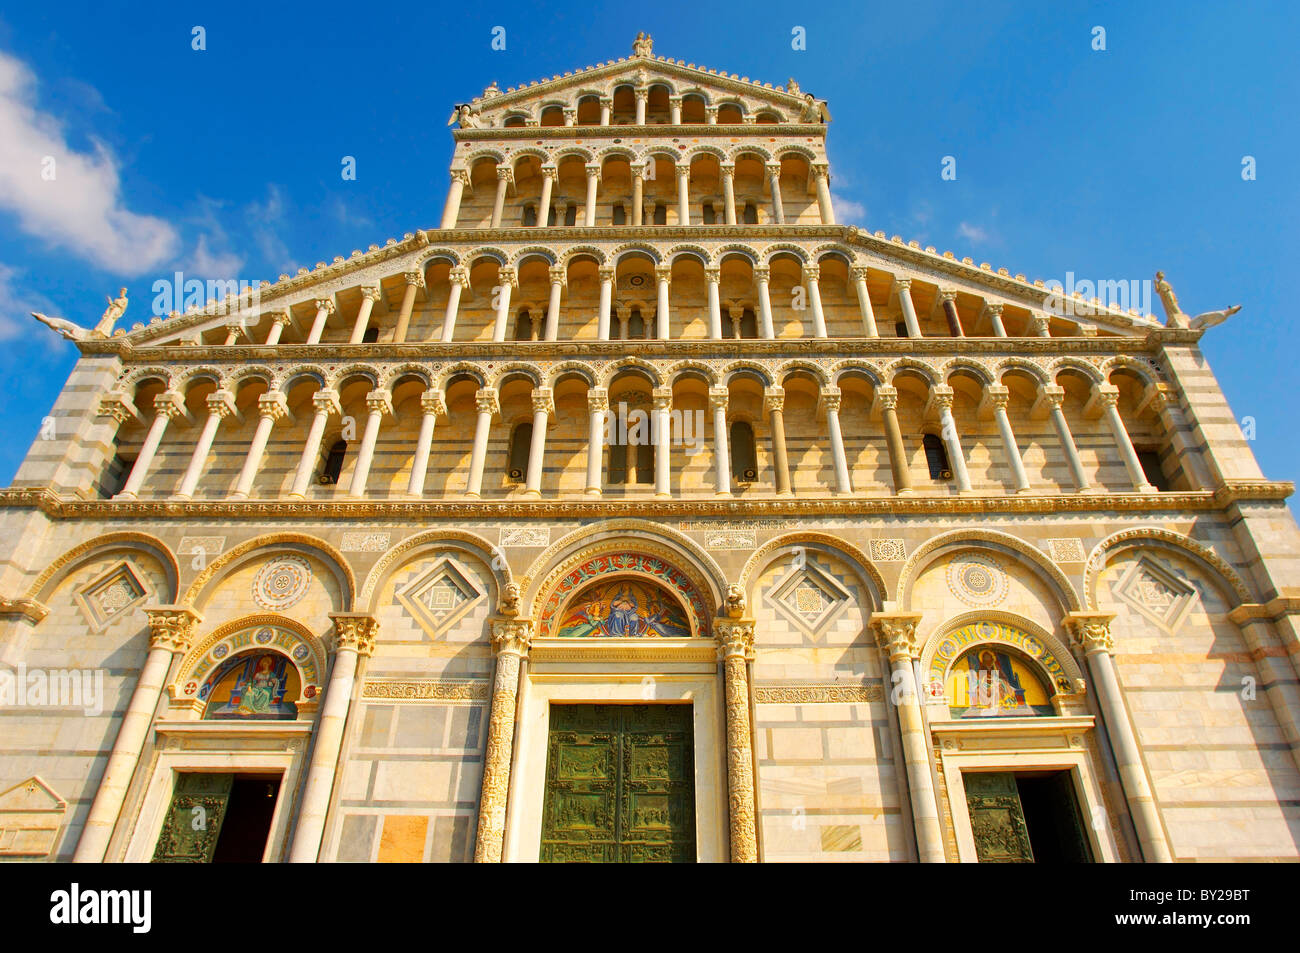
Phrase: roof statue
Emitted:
{"points": [[792, 87], [643, 45], [1175, 317], [75, 332], [492, 91], [466, 116]]}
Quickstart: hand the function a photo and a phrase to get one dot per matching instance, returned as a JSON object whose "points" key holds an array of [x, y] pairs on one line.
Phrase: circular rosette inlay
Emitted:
{"points": [[282, 582], [977, 580]]}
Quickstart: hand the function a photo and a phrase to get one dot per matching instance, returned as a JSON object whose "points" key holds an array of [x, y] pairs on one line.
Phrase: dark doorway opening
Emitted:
{"points": [[248, 820]]}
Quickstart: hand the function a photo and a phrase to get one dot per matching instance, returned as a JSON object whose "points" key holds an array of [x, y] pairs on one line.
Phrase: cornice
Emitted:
{"points": [[655, 130], [66, 507], [651, 349]]}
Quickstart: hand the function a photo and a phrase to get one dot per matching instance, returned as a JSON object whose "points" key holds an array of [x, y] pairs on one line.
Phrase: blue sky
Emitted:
{"points": [[226, 162]]}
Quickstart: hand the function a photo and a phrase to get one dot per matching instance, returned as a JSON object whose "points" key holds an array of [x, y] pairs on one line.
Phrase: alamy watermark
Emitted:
{"points": [[1075, 297], [25, 687]]}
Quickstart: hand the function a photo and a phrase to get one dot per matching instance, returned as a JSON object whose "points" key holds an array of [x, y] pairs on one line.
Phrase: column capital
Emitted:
{"points": [[675, 100], [1051, 394], [273, 405], [664, 272], [507, 276], [570, 113], [713, 274], [432, 403], [221, 403], [557, 274], [941, 396], [735, 638], [663, 398], [511, 635], [896, 633], [380, 401], [171, 627], [118, 406], [326, 402], [461, 176], [1041, 325], [605, 272], [858, 272], [371, 292], [682, 169], [821, 170], [355, 632], [1090, 631], [593, 170], [597, 400], [728, 169], [772, 169], [326, 304], [459, 276], [606, 101], [543, 401], [1161, 397], [812, 273], [235, 326], [414, 278], [486, 401], [774, 399], [901, 285], [170, 404], [718, 398], [993, 307], [762, 273], [506, 175], [886, 396], [948, 294], [997, 395], [641, 92], [551, 172], [830, 399], [281, 318], [1105, 395]]}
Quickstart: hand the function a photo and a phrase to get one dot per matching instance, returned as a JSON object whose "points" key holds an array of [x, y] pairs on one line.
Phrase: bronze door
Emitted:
{"points": [[997, 820], [189, 835], [619, 784]]}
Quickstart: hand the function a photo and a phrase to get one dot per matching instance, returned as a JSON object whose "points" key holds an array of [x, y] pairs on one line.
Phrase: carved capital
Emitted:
{"points": [[1090, 631], [713, 274], [273, 405], [718, 399], [663, 398], [830, 399], [664, 273], [415, 278], [432, 403], [896, 634], [506, 175], [557, 274], [221, 403], [355, 632], [773, 169], [380, 402], [170, 404], [597, 400], [486, 402], [812, 273], [171, 627], [512, 636], [461, 176], [605, 273], [858, 273], [774, 399], [544, 401], [762, 273], [371, 293], [728, 169], [326, 304], [735, 637], [326, 402], [281, 318]]}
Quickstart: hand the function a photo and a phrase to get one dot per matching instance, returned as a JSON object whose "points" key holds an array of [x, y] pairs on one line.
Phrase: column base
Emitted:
{"points": [[239, 496], [1147, 488], [179, 497], [126, 497], [472, 495], [296, 496], [723, 495], [663, 496], [531, 495], [594, 492], [785, 494], [1024, 489]]}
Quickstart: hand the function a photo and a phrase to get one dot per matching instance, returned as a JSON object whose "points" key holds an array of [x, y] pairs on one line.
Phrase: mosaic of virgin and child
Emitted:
{"points": [[624, 609]]}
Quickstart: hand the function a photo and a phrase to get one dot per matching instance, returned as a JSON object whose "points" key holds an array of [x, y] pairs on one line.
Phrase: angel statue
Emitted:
{"points": [[1175, 317], [642, 45], [792, 87], [465, 116], [75, 332]]}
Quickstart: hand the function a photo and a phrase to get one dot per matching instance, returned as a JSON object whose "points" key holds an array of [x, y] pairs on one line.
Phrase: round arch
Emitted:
{"points": [[57, 570], [412, 546], [331, 556], [866, 570], [1164, 539], [1049, 653]]}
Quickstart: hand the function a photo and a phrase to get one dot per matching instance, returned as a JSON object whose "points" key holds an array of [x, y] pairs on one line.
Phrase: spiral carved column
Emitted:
{"points": [[735, 647], [510, 640]]}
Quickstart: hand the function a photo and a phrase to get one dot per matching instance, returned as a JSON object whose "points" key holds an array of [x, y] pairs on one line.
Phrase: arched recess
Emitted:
{"points": [[1048, 653], [227, 560], [413, 546], [869, 575], [545, 584], [927, 552], [1154, 536], [286, 636], [55, 572]]}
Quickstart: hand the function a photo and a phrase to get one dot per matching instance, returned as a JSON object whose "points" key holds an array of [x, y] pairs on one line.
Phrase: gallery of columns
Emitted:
{"points": [[640, 511]]}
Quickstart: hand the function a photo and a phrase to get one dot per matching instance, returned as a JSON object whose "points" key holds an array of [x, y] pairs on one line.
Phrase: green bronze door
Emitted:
{"points": [[189, 835], [997, 820], [619, 784]]}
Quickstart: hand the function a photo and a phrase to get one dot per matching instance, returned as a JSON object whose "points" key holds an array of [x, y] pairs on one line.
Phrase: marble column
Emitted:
{"points": [[167, 407], [589, 210], [1092, 636], [511, 638], [507, 281], [369, 295], [811, 274], [663, 278], [557, 276], [642, 97], [597, 406], [774, 182], [995, 318], [505, 179], [735, 638], [1106, 397], [458, 281], [379, 404], [543, 410], [271, 408], [570, 116], [171, 633], [324, 308], [233, 330], [606, 275], [896, 635], [858, 275], [721, 452], [997, 397], [675, 110], [414, 282], [638, 193], [549, 176], [941, 396], [451, 211], [904, 288], [326, 403], [221, 404], [683, 194], [663, 431], [948, 300], [487, 405], [711, 115], [606, 109], [886, 403], [278, 321], [763, 275], [729, 192], [432, 407], [774, 403], [822, 174], [830, 399], [354, 638], [712, 276], [1050, 396], [1040, 325]]}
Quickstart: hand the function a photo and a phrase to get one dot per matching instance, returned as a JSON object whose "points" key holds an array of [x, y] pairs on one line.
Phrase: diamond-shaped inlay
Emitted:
{"points": [[1157, 592], [439, 597], [111, 594], [809, 596]]}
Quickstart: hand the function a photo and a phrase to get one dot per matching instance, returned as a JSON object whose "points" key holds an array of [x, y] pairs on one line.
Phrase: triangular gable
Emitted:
{"points": [[30, 796]]}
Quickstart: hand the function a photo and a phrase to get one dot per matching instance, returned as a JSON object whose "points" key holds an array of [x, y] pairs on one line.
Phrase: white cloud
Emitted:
{"points": [[266, 219], [215, 264], [972, 233], [81, 209], [847, 211]]}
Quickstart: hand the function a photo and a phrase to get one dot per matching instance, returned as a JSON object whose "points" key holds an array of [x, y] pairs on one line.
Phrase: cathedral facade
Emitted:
{"points": [[641, 511]]}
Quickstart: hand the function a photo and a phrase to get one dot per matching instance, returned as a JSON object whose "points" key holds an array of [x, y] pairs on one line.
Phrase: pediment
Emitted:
{"points": [[30, 795]]}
